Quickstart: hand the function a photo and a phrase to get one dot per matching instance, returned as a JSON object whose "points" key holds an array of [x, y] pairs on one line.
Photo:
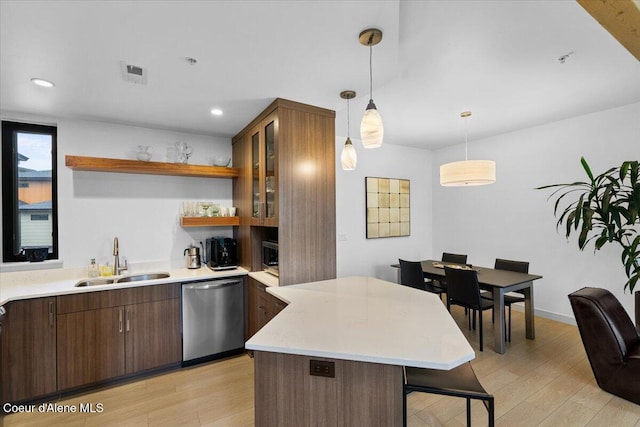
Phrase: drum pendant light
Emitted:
{"points": [[348, 158], [467, 172], [371, 129]]}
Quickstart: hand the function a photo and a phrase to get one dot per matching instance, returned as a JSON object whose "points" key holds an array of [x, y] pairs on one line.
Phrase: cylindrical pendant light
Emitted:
{"points": [[348, 158], [467, 172], [371, 129]]}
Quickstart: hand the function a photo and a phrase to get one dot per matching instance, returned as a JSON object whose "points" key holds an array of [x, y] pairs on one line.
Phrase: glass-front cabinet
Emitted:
{"points": [[265, 174]]}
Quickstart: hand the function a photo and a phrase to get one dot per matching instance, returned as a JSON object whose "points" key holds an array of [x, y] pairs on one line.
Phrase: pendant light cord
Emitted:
{"points": [[466, 143], [371, 68], [348, 121]]}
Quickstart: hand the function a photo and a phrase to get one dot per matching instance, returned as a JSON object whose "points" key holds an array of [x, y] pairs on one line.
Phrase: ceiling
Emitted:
{"points": [[498, 59]]}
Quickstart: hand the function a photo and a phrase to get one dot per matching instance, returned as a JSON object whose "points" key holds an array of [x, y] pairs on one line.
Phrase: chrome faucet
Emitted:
{"points": [[116, 263]]}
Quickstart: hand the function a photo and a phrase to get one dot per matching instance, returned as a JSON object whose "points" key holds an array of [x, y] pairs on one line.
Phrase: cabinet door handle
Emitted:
{"points": [[51, 313], [128, 316], [120, 320]]}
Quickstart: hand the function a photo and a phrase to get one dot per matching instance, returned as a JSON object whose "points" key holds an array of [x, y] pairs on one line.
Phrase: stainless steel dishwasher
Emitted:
{"points": [[212, 319]]}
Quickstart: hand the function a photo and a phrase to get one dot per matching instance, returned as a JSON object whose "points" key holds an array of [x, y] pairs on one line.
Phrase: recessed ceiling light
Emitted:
{"points": [[216, 112], [42, 82]]}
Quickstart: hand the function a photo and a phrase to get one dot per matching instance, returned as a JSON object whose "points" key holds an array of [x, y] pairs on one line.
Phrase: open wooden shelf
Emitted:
{"points": [[213, 221], [101, 164]]}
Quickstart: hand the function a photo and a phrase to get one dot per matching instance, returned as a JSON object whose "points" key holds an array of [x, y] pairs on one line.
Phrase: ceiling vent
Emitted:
{"points": [[133, 73]]}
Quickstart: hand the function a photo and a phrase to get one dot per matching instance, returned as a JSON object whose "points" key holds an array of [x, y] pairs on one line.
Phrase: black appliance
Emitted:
{"points": [[221, 253], [270, 257]]}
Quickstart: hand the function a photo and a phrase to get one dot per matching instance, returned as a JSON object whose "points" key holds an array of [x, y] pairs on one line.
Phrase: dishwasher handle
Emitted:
{"points": [[215, 284]]}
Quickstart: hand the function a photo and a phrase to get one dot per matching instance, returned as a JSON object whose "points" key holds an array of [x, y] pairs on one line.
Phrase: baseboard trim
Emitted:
{"points": [[563, 318]]}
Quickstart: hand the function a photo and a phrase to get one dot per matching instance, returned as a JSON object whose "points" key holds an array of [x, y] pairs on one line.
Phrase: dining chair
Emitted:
{"points": [[453, 258], [463, 290], [511, 297], [411, 275], [457, 382]]}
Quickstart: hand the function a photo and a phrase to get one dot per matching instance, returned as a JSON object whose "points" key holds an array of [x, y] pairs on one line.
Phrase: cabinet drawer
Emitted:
{"points": [[91, 301], [144, 294], [117, 297]]}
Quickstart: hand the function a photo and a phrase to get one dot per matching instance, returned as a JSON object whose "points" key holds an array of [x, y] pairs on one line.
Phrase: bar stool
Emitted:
{"points": [[457, 382]]}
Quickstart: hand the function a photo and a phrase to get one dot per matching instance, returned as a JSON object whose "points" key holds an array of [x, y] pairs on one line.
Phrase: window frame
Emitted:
{"points": [[10, 211]]}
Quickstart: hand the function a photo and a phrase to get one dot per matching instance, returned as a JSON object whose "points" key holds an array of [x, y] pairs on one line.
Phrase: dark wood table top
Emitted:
{"points": [[486, 276]]}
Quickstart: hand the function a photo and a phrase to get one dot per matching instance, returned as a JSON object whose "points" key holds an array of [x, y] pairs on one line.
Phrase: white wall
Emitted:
{"points": [[357, 255], [141, 210], [510, 219]]}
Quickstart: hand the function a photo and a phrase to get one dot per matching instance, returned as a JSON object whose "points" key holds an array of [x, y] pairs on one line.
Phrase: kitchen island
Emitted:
{"points": [[334, 355]]}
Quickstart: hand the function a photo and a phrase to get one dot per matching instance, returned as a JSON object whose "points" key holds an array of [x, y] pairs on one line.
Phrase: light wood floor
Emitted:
{"points": [[541, 382]]}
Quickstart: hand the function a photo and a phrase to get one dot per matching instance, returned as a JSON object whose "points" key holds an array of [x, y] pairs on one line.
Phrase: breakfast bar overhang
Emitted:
{"points": [[334, 355]]}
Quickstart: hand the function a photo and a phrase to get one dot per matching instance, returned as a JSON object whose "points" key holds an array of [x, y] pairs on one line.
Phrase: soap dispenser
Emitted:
{"points": [[94, 271]]}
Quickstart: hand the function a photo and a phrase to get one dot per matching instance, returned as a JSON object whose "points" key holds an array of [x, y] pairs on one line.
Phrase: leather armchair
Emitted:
{"points": [[611, 341]]}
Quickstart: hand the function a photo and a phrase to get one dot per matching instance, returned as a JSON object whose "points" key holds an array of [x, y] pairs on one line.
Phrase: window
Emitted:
{"points": [[29, 189]]}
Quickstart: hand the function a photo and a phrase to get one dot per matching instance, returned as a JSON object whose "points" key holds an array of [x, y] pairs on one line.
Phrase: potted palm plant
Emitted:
{"points": [[605, 209]]}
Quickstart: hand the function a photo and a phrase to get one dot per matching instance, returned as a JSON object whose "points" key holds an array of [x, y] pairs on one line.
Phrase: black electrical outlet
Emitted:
{"points": [[322, 368]]}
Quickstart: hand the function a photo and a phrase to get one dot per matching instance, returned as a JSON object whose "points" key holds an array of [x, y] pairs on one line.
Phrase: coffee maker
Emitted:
{"points": [[221, 253]]}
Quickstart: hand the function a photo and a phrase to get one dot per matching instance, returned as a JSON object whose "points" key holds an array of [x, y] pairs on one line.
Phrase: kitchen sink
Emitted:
{"points": [[139, 277], [93, 282], [126, 279]]}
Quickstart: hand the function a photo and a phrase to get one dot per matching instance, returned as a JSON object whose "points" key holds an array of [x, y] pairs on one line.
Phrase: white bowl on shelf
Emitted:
{"points": [[221, 161]]}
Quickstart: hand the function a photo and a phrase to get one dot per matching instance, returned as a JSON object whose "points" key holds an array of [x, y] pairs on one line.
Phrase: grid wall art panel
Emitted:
{"points": [[388, 208]]}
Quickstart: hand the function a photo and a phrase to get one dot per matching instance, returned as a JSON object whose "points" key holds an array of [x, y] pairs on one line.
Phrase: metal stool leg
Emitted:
{"points": [[404, 406], [491, 413], [468, 411]]}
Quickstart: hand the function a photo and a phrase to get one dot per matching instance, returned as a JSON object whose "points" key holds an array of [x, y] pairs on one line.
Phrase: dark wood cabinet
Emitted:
{"points": [[152, 331], [242, 196], [108, 334], [278, 305], [62, 343], [262, 306], [285, 190], [28, 349], [257, 306], [264, 193], [358, 394], [90, 346]]}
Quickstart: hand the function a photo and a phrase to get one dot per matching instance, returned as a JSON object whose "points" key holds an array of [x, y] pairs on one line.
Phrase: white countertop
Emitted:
{"points": [[46, 283], [364, 319], [265, 278]]}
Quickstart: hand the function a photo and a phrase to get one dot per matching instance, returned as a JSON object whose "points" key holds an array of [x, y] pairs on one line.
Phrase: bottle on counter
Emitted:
{"points": [[93, 270], [106, 269]]}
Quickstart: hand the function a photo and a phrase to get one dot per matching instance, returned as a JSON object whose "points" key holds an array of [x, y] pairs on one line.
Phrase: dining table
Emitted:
{"points": [[498, 282]]}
